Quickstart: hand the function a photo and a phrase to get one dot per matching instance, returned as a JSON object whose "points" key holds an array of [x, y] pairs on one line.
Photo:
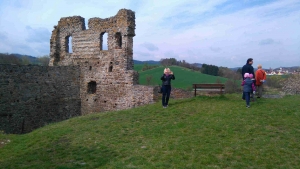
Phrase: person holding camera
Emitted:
{"points": [[166, 86]]}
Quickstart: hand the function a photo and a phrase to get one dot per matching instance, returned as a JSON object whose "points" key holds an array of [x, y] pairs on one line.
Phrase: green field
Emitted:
{"points": [[184, 77], [201, 132], [138, 67]]}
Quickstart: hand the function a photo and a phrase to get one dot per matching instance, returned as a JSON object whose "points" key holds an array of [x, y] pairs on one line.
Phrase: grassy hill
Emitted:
{"points": [[184, 77], [201, 132], [138, 67]]}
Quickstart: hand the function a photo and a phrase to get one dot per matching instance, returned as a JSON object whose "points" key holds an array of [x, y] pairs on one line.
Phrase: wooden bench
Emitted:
{"points": [[209, 87]]}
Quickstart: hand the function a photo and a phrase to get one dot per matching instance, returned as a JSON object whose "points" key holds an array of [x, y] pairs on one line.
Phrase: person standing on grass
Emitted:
{"points": [[260, 77], [247, 68], [166, 86], [252, 93], [248, 86]]}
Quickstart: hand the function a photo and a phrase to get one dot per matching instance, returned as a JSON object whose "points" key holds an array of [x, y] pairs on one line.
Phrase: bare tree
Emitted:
{"points": [[44, 60]]}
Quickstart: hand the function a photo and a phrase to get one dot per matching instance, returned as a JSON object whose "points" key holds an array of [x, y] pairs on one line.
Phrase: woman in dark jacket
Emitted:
{"points": [[166, 86]]}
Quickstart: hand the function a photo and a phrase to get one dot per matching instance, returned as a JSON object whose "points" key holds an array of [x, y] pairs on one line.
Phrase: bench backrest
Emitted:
{"points": [[209, 86]]}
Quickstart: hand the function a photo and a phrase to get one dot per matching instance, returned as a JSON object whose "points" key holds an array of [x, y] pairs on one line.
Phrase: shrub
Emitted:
{"points": [[274, 81], [292, 84], [231, 86]]}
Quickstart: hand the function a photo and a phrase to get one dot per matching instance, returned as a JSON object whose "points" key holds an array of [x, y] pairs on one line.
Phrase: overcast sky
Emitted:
{"points": [[218, 32]]}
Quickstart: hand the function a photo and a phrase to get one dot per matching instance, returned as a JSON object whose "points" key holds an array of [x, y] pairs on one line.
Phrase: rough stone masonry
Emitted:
{"points": [[107, 80], [80, 81], [34, 96]]}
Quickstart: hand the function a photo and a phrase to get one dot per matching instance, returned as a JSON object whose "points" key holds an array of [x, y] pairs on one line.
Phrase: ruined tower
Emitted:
{"points": [[108, 81]]}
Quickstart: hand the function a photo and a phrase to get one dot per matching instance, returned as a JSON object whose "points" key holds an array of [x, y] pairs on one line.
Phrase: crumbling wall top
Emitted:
{"points": [[71, 40], [74, 22], [123, 19]]}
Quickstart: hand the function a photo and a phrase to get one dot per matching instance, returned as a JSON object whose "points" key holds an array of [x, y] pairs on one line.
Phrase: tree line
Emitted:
{"points": [[172, 61], [204, 68], [16, 59]]}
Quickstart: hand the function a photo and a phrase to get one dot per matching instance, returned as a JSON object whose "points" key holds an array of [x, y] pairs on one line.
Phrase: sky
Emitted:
{"points": [[218, 32]]}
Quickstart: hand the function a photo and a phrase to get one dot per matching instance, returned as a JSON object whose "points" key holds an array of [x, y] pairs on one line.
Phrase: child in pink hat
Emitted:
{"points": [[252, 93], [248, 87]]}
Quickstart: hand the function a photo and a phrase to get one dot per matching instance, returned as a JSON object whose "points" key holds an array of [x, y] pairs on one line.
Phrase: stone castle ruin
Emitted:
{"points": [[80, 81], [107, 80]]}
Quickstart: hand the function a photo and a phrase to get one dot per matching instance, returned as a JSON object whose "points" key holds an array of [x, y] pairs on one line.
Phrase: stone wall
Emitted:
{"points": [[108, 81], [181, 94], [175, 94], [33, 96]]}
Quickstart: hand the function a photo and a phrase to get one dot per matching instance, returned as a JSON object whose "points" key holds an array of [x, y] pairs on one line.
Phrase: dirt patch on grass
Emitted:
{"points": [[95, 118], [274, 96], [4, 142], [62, 142]]}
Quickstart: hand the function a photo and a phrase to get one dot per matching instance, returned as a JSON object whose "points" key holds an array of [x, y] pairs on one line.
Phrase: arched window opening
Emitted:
{"points": [[118, 40], [69, 44], [90, 67], [110, 68], [103, 41], [92, 87]]}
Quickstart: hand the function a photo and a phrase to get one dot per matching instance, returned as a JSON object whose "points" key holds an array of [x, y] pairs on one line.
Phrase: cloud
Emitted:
{"points": [[22, 48], [150, 46], [38, 34], [2, 36], [171, 54], [143, 54], [194, 30], [215, 49], [268, 41]]}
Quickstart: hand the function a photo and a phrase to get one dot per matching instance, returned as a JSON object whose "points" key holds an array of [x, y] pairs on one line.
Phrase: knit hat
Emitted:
{"points": [[251, 75], [246, 75]]}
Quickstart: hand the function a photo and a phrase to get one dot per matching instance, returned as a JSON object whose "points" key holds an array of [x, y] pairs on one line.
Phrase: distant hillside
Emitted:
{"points": [[292, 68], [150, 62], [184, 77], [32, 59], [235, 68], [18, 59], [35, 60]]}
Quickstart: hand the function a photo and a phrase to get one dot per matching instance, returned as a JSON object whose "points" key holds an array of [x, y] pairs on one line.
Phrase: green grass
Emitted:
{"points": [[184, 78], [201, 132], [138, 67]]}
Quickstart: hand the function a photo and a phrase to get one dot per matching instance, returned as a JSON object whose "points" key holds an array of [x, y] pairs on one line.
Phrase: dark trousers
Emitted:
{"points": [[247, 98], [259, 90], [166, 89], [250, 95]]}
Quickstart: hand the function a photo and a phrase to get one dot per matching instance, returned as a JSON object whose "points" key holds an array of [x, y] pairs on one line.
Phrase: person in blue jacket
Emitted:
{"points": [[248, 68], [166, 86], [248, 87]]}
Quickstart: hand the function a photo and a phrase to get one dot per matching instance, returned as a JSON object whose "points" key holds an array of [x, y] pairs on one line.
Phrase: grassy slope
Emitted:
{"points": [[201, 132], [138, 67], [184, 77]]}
